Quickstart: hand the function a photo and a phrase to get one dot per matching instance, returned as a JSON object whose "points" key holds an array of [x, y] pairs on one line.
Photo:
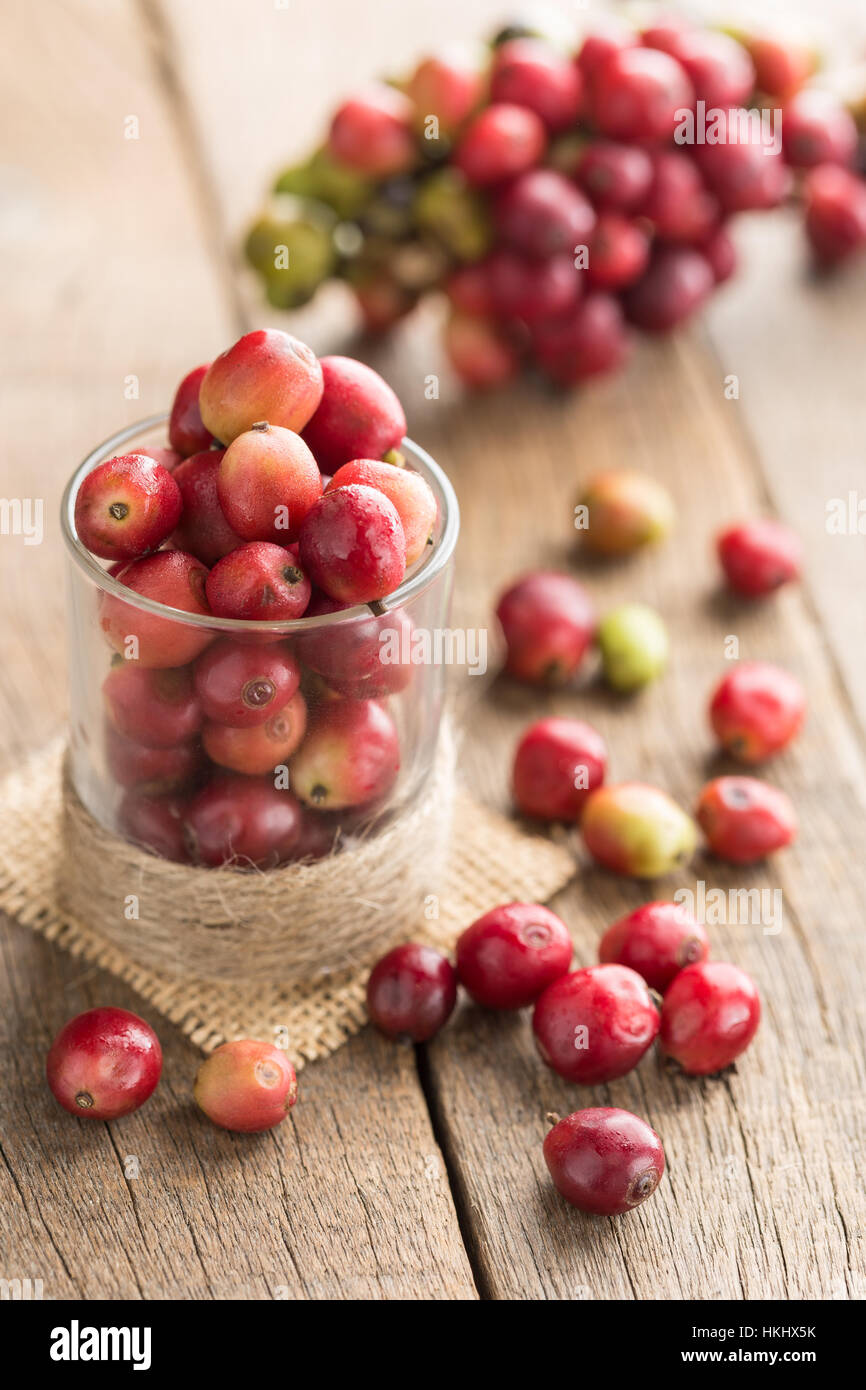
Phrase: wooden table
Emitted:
{"points": [[407, 1176]]}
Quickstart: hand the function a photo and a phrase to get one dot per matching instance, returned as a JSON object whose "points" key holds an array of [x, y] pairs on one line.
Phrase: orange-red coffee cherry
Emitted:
{"points": [[411, 993], [658, 940], [507, 958], [595, 1024], [603, 1160], [710, 1014], [756, 710], [744, 819], [246, 1086], [104, 1064]]}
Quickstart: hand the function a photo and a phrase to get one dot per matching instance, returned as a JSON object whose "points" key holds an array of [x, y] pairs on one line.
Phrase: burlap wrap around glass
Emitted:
{"points": [[223, 953]]}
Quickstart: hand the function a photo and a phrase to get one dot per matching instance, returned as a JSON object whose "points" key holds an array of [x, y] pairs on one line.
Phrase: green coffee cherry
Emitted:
{"points": [[634, 646], [447, 208], [293, 250], [343, 190]]}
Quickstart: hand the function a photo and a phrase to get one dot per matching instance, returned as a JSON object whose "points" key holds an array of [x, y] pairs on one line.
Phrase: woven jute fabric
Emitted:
{"points": [[297, 923], [489, 861]]}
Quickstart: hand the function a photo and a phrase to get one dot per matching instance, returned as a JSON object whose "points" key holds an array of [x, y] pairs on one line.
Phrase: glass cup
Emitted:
{"points": [[369, 700]]}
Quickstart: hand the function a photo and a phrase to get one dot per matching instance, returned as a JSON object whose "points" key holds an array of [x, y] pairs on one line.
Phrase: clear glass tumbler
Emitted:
{"points": [[369, 699]]}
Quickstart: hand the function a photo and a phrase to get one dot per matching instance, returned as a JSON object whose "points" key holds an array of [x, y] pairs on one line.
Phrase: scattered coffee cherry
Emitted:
{"points": [[638, 830], [350, 757], [104, 1063], [126, 506], [657, 940], [817, 129], [242, 821], [759, 556], [835, 213], [155, 822], [589, 341], [507, 958], [634, 646], [481, 352], [638, 93], [266, 375], [372, 132], [244, 685], [756, 710], [710, 1014], [169, 577], [626, 510], [259, 582], [150, 771], [203, 530], [499, 143], [186, 430], [268, 482], [359, 416], [541, 214], [449, 85], [617, 177], [353, 546], [158, 708], [744, 819], [603, 1160], [411, 993], [530, 74], [558, 763], [406, 490], [675, 285], [548, 621], [595, 1024], [259, 748], [246, 1086]]}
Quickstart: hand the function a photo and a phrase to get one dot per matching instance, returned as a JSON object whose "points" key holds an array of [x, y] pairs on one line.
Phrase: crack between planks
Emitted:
{"points": [[215, 240], [456, 1185]]}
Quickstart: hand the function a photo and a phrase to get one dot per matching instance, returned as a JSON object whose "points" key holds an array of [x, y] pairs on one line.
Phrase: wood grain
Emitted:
{"points": [[107, 276], [123, 260], [759, 1141]]}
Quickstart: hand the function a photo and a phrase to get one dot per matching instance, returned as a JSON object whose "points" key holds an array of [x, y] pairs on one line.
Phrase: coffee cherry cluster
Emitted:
{"points": [[281, 494], [105, 1063], [654, 980], [552, 187], [550, 627], [590, 1025]]}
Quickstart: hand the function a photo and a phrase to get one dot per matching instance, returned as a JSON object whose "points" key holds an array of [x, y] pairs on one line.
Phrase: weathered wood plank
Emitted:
{"points": [[760, 1197], [108, 277], [759, 1166], [796, 341]]}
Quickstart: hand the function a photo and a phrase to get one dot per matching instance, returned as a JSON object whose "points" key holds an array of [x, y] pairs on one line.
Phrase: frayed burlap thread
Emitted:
{"points": [[490, 860], [297, 924]]}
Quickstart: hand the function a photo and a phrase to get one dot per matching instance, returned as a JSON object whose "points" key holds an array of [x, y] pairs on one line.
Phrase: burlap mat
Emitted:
{"points": [[491, 861]]}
